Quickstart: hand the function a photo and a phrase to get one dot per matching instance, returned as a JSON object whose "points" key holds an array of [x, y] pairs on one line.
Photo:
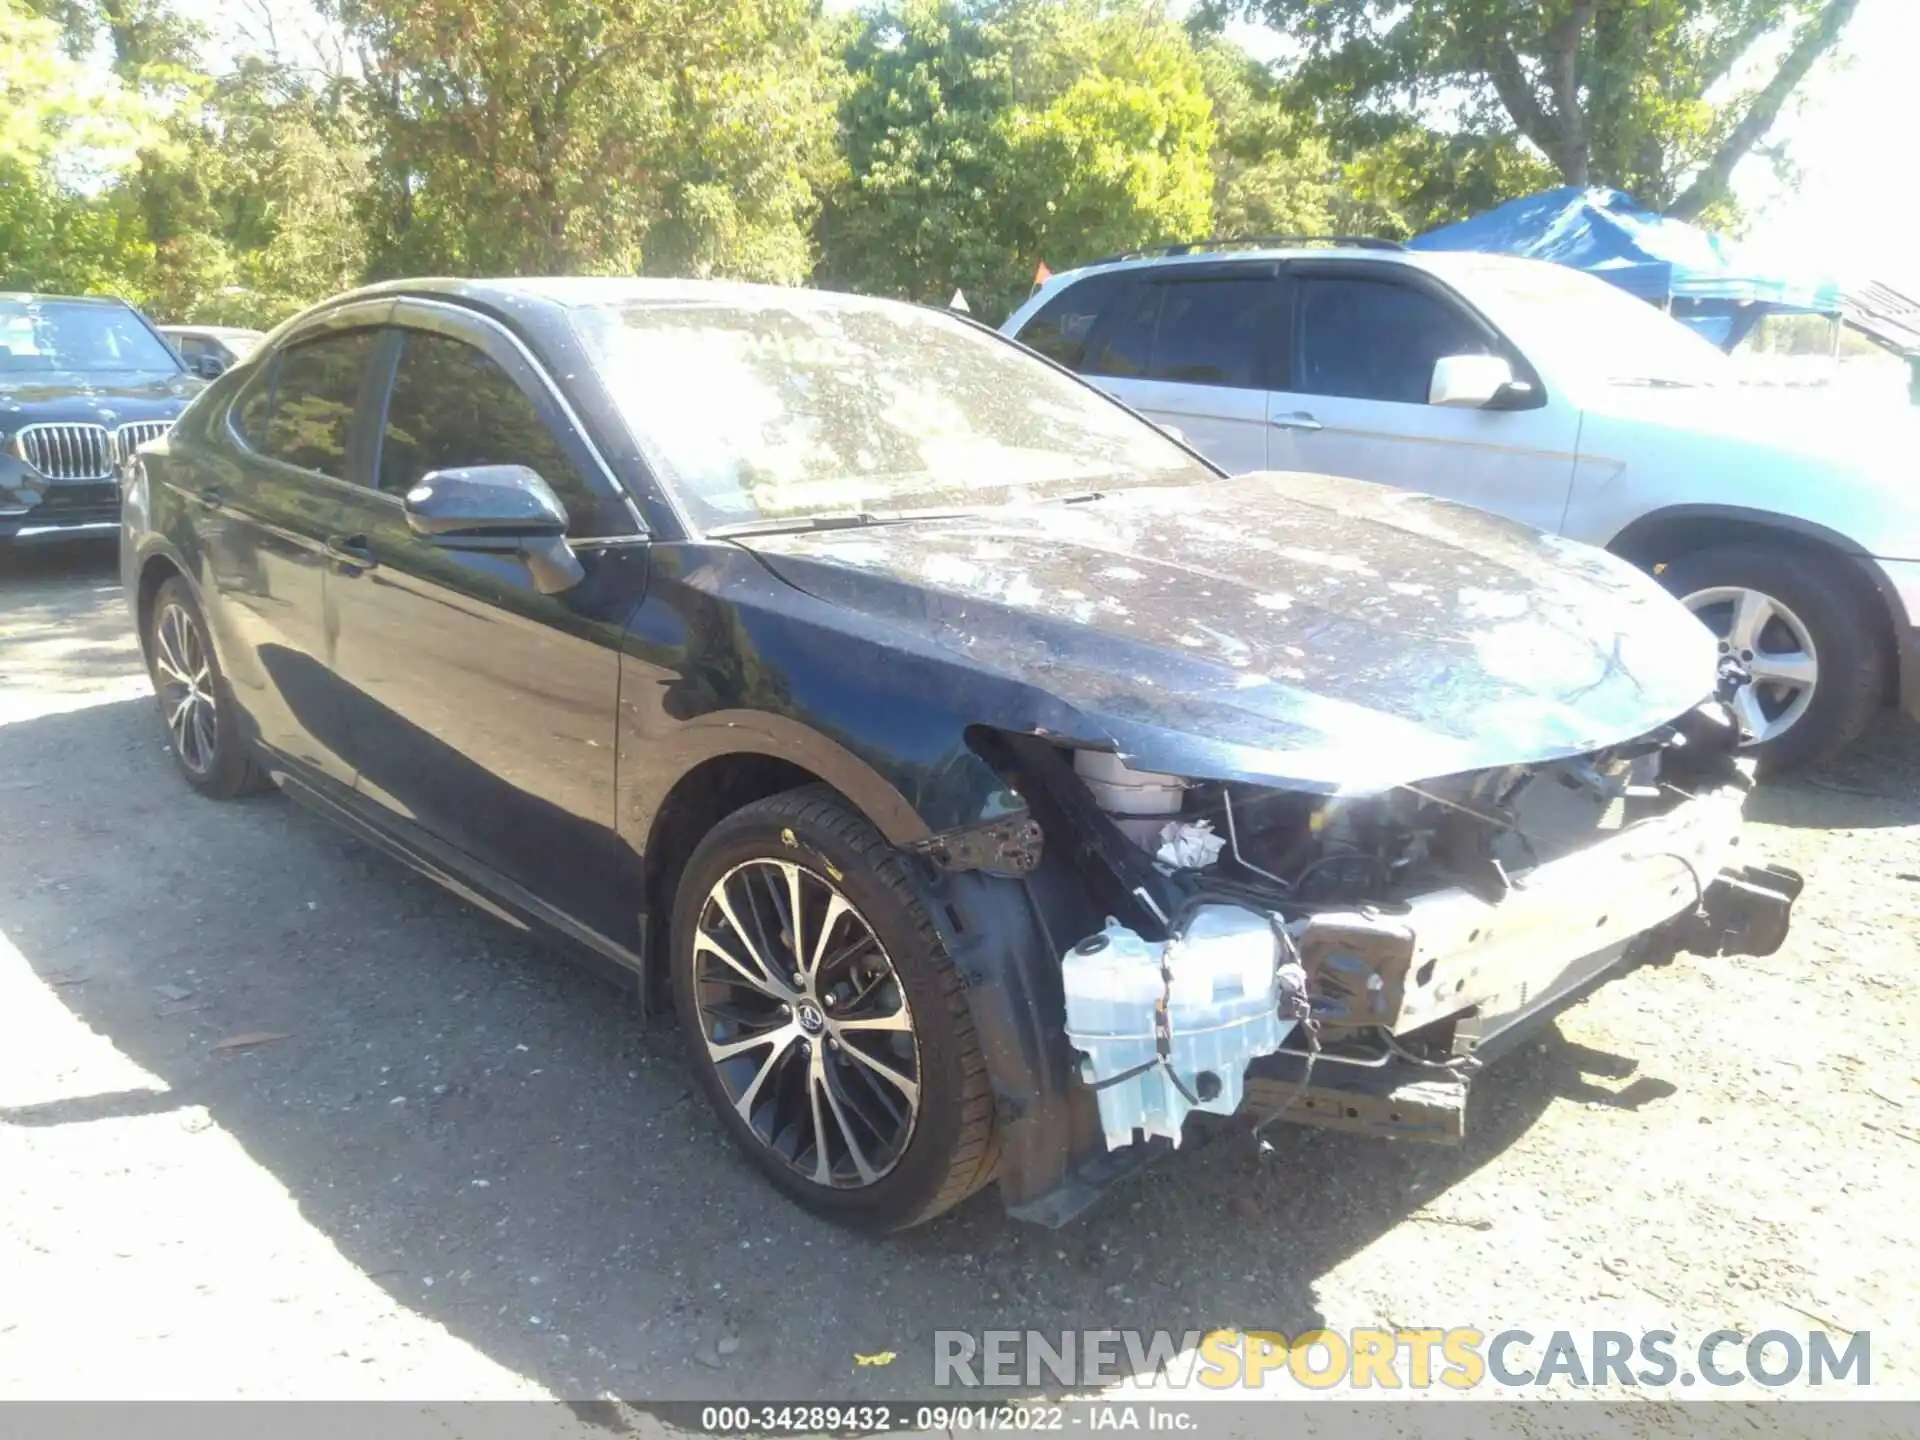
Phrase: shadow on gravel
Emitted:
{"points": [[1874, 784], [494, 1136]]}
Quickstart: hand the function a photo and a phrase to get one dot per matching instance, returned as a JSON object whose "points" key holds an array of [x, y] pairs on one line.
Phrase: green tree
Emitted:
{"points": [[1273, 173], [984, 137], [285, 174], [68, 136], [530, 136], [1661, 98]]}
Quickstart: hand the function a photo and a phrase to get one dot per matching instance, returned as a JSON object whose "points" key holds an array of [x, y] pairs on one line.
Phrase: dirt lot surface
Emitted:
{"points": [[462, 1167]]}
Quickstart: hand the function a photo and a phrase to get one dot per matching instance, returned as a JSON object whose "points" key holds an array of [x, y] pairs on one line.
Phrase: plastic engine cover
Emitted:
{"points": [[1221, 1008]]}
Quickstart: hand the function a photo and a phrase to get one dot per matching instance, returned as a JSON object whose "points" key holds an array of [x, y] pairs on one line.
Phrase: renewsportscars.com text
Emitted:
{"points": [[1380, 1359]]}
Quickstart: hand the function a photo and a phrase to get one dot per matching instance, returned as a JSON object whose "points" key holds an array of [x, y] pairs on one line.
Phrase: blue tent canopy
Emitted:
{"points": [[1702, 277]]}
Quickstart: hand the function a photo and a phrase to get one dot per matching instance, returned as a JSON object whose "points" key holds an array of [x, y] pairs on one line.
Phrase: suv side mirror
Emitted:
{"points": [[210, 367], [498, 509], [1476, 382]]}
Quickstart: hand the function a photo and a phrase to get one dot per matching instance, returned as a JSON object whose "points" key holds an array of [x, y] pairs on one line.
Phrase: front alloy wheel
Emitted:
{"points": [[825, 1017], [805, 1022]]}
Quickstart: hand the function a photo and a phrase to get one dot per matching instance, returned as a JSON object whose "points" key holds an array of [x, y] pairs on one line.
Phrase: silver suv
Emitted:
{"points": [[1789, 524]]}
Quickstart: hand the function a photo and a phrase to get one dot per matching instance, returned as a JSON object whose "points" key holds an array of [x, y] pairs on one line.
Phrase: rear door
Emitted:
{"points": [[1188, 346], [481, 711], [265, 501], [1352, 397]]}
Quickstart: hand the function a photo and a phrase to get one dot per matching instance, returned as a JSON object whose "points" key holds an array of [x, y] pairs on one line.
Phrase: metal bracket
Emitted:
{"points": [[1008, 847]]}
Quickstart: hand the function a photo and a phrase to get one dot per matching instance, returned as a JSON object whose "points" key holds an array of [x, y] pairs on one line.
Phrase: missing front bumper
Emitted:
{"points": [[1746, 910]]}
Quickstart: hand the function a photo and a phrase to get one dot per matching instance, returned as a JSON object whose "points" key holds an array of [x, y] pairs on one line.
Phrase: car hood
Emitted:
{"points": [[1275, 628], [54, 396]]}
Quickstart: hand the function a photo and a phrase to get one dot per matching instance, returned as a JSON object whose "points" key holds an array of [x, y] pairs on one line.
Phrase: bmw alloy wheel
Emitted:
{"points": [[1775, 646], [806, 1023], [186, 688]]}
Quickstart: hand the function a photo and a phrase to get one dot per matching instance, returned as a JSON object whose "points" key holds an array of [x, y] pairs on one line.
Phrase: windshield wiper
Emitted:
{"points": [[833, 520], [1658, 382], [846, 520]]}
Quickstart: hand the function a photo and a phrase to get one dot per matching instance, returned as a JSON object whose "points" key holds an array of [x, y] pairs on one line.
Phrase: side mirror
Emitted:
{"points": [[1174, 430], [210, 367], [497, 509], [1476, 382]]}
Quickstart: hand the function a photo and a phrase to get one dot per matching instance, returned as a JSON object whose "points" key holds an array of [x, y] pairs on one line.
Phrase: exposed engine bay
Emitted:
{"points": [[1349, 960]]}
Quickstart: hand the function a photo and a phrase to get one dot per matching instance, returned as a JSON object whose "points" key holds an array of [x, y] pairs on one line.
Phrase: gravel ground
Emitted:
{"points": [[464, 1167]]}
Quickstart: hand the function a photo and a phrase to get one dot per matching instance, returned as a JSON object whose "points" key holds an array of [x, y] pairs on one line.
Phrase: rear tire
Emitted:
{"points": [[204, 727], [869, 960], [1790, 614]]}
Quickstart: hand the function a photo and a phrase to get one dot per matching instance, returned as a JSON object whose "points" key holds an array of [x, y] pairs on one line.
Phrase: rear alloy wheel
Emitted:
{"points": [[1803, 629], [203, 723], [1775, 646], [184, 683], [824, 1017]]}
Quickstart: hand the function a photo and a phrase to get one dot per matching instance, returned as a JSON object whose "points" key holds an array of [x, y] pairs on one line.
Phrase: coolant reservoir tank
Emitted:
{"points": [[1222, 1011]]}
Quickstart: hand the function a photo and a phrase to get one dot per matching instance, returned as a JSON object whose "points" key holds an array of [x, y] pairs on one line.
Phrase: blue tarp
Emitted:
{"points": [[1710, 284]]}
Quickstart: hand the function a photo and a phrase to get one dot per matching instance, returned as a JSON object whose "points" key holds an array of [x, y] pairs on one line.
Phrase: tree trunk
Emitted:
{"points": [[1815, 40]]}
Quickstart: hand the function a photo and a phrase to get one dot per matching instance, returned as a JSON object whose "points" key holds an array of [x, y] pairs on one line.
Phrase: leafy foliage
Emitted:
{"points": [[1273, 174], [1661, 98], [535, 136], [982, 139], [915, 148]]}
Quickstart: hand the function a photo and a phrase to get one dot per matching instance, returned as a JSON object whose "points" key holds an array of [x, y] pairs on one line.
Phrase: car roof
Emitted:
{"points": [[571, 292], [31, 296], [1434, 261]]}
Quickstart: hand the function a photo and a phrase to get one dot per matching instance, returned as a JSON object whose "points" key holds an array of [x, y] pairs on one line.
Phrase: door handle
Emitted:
{"points": [[1296, 420], [351, 552]]}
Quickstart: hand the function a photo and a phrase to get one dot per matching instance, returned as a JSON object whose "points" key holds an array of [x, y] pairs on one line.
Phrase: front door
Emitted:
{"points": [[1353, 397], [482, 711]]}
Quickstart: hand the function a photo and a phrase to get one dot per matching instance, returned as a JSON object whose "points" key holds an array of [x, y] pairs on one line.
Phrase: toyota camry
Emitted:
{"points": [[983, 781]]}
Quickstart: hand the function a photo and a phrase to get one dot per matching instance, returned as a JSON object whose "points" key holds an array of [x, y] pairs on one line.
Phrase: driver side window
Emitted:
{"points": [[452, 406], [1370, 339]]}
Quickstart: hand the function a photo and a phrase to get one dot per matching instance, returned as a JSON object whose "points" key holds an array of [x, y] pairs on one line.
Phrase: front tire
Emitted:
{"points": [[824, 1017], [1807, 634], [196, 703]]}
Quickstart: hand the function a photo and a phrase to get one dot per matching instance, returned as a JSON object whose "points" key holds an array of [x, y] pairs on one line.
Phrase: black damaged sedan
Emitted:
{"points": [[985, 781]]}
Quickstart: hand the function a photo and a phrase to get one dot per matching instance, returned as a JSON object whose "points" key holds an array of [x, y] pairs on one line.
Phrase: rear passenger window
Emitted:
{"points": [[1207, 330], [1063, 326], [1122, 346], [314, 395], [1214, 332]]}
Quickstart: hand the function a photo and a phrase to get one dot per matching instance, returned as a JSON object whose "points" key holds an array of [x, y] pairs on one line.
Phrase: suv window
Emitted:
{"points": [[1122, 343], [253, 404], [1207, 330], [1214, 332], [1371, 339], [310, 414], [451, 406]]}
